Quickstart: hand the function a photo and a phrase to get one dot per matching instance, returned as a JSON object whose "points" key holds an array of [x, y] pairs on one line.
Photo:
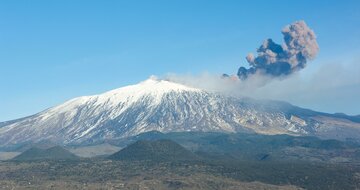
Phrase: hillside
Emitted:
{"points": [[158, 150], [53, 153], [257, 147]]}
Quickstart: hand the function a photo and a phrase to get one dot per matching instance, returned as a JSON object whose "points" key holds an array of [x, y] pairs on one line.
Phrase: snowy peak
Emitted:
{"points": [[152, 88]]}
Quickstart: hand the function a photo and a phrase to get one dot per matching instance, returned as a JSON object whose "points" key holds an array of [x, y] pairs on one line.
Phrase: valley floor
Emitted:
{"points": [[108, 174]]}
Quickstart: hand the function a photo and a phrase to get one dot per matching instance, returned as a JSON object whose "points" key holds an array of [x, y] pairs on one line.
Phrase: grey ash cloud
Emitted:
{"points": [[277, 60]]}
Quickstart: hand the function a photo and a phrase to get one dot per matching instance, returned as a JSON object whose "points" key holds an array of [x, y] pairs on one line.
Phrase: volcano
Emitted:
{"points": [[166, 106]]}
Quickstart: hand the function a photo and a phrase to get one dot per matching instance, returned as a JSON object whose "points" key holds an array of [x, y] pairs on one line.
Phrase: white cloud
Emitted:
{"points": [[330, 88]]}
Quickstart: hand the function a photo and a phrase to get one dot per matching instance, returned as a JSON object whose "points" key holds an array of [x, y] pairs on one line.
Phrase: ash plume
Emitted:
{"points": [[281, 60]]}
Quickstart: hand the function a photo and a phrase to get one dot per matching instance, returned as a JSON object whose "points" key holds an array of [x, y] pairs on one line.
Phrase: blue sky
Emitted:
{"points": [[52, 51]]}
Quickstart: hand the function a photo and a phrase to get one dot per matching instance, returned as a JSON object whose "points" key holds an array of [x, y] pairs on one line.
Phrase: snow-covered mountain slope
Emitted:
{"points": [[167, 106]]}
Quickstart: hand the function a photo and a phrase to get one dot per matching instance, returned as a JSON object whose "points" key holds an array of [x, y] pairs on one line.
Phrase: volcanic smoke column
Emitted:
{"points": [[281, 60]]}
